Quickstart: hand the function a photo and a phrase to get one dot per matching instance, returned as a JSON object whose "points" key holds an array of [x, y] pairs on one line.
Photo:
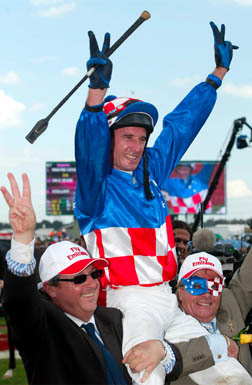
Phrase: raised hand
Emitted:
{"points": [[21, 213], [223, 49], [102, 75]]}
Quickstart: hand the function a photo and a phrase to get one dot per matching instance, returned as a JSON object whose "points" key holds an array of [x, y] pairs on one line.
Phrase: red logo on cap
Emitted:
{"points": [[76, 253], [203, 261]]}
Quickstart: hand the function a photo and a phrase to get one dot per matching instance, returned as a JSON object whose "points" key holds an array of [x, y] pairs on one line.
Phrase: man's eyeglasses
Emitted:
{"points": [[83, 277]]}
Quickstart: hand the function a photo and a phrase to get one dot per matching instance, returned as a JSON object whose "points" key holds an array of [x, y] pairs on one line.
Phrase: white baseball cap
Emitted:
{"points": [[199, 261], [66, 258]]}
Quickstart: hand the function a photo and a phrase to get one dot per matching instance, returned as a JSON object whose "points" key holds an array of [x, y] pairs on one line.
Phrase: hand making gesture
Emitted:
{"points": [[223, 49], [21, 214]]}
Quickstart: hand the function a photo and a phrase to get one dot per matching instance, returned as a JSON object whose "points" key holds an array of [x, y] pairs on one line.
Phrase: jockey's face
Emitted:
{"points": [[128, 147]]}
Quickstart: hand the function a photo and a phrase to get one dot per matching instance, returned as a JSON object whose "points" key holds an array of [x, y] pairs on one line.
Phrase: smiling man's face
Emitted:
{"points": [[79, 300], [203, 307], [127, 147]]}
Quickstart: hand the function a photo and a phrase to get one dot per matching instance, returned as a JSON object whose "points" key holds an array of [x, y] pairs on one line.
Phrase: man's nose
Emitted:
{"points": [[137, 146], [90, 282]]}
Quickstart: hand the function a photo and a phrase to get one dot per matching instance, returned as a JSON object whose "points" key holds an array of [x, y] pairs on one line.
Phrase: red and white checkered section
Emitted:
{"points": [[215, 285], [142, 257], [189, 205]]}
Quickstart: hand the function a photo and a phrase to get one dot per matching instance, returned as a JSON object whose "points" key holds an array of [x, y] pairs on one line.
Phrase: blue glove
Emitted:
{"points": [[102, 75], [223, 50]]}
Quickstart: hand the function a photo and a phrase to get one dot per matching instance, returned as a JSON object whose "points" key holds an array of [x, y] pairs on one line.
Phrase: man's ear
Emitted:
{"points": [[49, 289], [179, 292]]}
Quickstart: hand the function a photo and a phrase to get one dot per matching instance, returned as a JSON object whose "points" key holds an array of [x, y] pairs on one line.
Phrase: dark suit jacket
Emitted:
{"points": [[53, 348]]}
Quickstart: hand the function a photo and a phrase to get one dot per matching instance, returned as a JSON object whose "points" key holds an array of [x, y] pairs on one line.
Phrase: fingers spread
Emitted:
{"points": [[94, 49], [26, 187], [106, 43], [219, 36], [214, 29], [8, 198], [213, 26], [222, 32], [14, 186]]}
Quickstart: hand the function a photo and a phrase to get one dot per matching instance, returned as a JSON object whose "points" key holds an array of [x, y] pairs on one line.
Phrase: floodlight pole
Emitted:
{"points": [[246, 124], [238, 123]]}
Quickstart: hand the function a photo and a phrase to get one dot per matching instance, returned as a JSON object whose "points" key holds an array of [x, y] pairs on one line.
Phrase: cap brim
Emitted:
{"points": [[137, 107], [133, 119], [188, 275], [78, 266]]}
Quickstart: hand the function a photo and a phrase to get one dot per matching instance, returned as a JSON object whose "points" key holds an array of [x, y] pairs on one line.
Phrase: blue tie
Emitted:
{"points": [[113, 372]]}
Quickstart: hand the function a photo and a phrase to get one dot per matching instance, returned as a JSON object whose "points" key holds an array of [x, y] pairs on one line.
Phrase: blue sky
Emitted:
{"points": [[44, 48]]}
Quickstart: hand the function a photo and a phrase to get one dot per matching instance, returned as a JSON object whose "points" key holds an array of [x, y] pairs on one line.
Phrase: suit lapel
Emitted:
{"points": [[110, 339]]}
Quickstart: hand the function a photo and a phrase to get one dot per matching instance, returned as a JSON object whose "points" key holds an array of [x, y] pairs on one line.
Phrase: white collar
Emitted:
{"points": [[79, 322]]}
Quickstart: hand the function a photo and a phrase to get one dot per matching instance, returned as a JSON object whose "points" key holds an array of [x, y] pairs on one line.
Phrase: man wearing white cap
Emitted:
{"points": [[222, 311], [119, 205], [67, 339]]}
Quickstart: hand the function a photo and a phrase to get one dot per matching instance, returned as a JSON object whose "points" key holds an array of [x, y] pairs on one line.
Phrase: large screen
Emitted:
{"points": [[185, 190], [60, 187], [188, 186]]}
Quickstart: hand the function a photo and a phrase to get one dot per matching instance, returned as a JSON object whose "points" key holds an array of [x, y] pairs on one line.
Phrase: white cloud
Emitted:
{"points": [[10, 111], [186, 81], [237, 188], [242, 3], [11, 77], [241, 91], [11, 162], [71, 71], [57, 10], [28, 157], [43, 59], [36, 106], [245, 3]]}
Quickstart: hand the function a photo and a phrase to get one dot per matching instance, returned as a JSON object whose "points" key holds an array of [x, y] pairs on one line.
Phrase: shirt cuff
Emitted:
{"points": [[169, 360], [20, 259], [214, 81], [22, 253], [218, 347], [97, 108]]}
